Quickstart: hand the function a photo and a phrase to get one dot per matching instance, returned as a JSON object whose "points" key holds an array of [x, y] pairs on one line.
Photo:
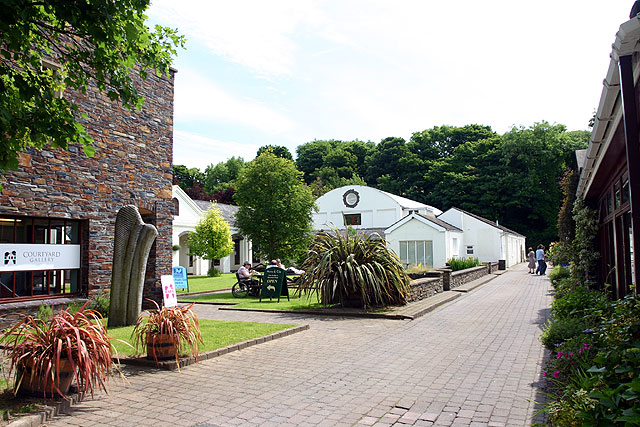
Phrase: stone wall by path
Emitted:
{"points": [[132, 165], [459, 278], [424, 288]]}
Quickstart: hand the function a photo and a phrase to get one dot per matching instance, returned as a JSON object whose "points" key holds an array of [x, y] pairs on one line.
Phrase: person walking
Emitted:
{"points": [[542, 265], [531, 257]]}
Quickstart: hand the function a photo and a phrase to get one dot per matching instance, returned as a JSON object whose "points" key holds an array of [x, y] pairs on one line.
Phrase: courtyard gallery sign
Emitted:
{"points": [[32, 257]]}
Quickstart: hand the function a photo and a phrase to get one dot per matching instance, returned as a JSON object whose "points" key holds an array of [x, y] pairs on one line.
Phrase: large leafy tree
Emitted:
{"points": [[278, 150], [221, 176], [275, 207], [49, 46], [212, 237]]}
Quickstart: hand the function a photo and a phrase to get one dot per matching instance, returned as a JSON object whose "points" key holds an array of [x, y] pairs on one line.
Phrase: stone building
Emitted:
{"points": [[58, 209]]}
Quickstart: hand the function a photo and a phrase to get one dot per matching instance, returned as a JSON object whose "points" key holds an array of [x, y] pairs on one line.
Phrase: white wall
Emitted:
{"points": [[485, 239]]}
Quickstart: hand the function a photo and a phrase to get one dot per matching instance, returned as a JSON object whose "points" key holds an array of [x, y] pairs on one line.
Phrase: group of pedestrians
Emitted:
{"points": [[540, 257]]}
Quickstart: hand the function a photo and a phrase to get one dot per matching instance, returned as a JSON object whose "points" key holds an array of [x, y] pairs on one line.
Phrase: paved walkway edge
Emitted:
{"points": [[469, 286], [48, 412], [186, 361]]}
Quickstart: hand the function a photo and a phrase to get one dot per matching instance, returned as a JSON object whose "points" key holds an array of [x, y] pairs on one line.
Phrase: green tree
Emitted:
{"points": [[275, 207], [212, 238], [441, 141], [278, 150], [187, 177], [311, 157], [222, 175], [50, 46]]}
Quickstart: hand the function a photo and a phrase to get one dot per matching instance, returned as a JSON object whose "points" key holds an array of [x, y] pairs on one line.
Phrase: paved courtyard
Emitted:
{"points": [[475, 361]]}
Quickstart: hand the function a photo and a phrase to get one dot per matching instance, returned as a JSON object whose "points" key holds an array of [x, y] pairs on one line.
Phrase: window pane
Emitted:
{"points": [[71, 281], [625, 190], [56, 234], [40, 230], [23, 234], [420, 252], [6, 230], [403, 253], [411, 258], [72, 234], [617, 195], [6, 285], [428, 259]]}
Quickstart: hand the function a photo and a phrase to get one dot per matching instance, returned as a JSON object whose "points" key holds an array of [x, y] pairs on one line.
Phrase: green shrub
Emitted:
{"points": [[100, 303], [556, 332], [559, 272], [579, 301], [563, 286], [463, 263], [559, 253], [45, 312], [213, 272]]}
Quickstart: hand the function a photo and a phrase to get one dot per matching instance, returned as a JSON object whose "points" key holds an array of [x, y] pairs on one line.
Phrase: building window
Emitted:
{"points": [[352, 219], [236, 250], [470, 250], [416, 252], [39, 257], [456, 247]]}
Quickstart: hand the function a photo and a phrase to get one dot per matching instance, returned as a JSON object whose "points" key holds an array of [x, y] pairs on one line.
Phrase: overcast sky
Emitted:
{"points": [[291, 71]]}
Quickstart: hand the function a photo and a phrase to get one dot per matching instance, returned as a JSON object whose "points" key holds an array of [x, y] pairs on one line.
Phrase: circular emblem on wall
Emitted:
{"points": [[351, 198]]}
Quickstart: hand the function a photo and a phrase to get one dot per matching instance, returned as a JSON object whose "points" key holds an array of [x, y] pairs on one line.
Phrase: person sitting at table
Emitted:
{"points": [[279, 264], [245, 274], [273, 263]]}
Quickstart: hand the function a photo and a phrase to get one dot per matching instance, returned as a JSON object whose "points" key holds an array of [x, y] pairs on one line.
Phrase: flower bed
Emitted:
{"points": [[593, 376]]}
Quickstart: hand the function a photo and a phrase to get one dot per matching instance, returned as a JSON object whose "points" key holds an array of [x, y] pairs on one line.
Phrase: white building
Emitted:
{"points": [[410, 228], [418, 233], [486, 240], [187, 216]]}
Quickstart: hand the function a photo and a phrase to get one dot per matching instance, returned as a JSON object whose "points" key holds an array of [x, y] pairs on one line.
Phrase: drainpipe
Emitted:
{"points": [[632, 145]]}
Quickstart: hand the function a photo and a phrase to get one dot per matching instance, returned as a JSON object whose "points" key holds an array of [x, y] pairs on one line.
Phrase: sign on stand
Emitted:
{"points": [[274, 284], [180, 277], [168, 291]]}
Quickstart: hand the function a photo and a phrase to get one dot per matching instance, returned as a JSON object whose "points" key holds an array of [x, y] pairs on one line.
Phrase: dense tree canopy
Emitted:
{"points": [[221, 176], [49, 46], [514, 178], [277, 150], [275, 207]]}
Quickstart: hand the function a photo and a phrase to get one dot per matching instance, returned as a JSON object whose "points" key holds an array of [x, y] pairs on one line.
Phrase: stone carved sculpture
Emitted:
{"points": [[132, 243]]}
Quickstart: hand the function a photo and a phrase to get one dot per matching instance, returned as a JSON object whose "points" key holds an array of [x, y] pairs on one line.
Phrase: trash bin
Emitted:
{"points": [[502, 264]]}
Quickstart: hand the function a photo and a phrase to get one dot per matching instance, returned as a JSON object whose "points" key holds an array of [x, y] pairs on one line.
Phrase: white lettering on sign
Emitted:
{"points": [[31, 257]]}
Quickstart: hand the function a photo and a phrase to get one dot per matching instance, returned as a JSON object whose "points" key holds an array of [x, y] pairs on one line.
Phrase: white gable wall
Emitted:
{"points": [[415, 229]]}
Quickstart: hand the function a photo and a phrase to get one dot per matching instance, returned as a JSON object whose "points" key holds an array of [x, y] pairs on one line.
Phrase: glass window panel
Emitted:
{"points": [[6, 230], [23, 230], [625, 190], [71, 281], [617, 195], [428, 257], [610, 203], [56, 234], [72, 233], [420, 252], [403, 253], [40, 230], [411, 258], [23, 284], [6, 285], [40, 283]]}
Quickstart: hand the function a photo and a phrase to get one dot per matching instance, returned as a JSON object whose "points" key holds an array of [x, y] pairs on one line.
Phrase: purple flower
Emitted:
{"points": [[570, 354], [556, 374], [559, 355], [587, 331], [544, 374]]}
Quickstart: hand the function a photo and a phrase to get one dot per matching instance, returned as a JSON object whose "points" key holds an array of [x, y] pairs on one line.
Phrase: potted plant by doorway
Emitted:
{"points": [[168, 332], [47, 355]]}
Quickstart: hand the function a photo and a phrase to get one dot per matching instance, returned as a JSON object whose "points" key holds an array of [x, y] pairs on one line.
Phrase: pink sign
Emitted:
{"points": [[168, 291]]}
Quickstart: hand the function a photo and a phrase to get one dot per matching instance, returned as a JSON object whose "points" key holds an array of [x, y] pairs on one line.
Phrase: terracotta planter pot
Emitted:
{"points": [[160, 347], [39, 385]]}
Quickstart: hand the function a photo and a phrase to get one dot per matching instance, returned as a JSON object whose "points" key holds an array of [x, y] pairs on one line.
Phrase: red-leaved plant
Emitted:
{"points": [[41, 347], [179, 324]]}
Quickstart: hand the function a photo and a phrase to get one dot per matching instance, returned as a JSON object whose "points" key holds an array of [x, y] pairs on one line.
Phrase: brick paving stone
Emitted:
{"points": [[478, 357]]}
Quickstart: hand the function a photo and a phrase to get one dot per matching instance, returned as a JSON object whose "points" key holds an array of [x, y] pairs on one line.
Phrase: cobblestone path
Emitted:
{"points": [[473, 362]]}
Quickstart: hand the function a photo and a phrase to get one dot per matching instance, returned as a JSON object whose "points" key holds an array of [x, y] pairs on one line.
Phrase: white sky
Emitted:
{"points": [[290, 71]]}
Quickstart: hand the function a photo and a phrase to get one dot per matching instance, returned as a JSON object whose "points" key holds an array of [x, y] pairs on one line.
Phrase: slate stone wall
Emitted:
{"points": [[132, 165], [459, 278], [424, 288]]}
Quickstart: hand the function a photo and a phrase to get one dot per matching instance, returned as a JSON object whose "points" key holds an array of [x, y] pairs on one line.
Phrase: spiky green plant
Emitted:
{"points": [[352, 269], [79, 338], [179, 323]]}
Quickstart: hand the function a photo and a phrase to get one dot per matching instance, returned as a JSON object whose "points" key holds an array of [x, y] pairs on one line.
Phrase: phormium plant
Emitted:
{"points": [[41, 347], [352, 269], [179, 324]]}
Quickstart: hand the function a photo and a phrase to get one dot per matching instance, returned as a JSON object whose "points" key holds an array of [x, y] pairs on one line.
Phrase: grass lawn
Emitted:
{"points": [[215, 333], [205, 283], [296, 303]]}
